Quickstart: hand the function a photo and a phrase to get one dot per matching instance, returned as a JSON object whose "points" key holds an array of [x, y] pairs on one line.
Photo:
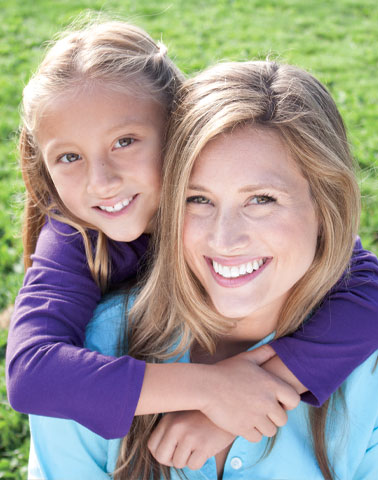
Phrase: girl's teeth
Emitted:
{"points": [[118, 206], [236, 271]]}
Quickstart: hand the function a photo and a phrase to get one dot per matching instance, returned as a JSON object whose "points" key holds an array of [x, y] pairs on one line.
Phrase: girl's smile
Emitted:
{"points": [[250, 230], [102, 149], [118, 206]]}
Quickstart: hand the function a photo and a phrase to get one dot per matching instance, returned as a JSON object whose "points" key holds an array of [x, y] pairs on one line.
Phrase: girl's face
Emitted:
{"points": [[250, 230], [103, 151]]}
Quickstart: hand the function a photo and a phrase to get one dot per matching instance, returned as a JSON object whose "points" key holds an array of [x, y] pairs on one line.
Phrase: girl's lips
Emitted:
{"points": [[240, 280], [120, 212], [114, 205]]}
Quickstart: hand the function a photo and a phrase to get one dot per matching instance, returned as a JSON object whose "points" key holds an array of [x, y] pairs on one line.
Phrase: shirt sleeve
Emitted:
{"points": [[48, 370], [340, 335]]}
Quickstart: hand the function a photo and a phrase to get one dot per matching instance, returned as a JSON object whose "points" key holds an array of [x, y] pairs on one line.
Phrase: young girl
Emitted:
{"points": [[273, 134], [94, 127]]}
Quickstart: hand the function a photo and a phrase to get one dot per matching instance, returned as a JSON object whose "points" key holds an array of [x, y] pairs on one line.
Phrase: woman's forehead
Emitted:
{"points": [[247, 155]]}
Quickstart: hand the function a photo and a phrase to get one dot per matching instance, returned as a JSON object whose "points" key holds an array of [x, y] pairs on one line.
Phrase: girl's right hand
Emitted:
{"points": [[187, 439], [244, 399]]}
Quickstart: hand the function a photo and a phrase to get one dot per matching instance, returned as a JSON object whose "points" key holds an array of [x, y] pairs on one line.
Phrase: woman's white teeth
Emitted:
{"points": [[118, 206], [236, 271]]}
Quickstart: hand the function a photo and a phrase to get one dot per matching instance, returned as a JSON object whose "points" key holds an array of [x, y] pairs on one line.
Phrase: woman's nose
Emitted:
{"points": [[229, 233], [104, 180]]}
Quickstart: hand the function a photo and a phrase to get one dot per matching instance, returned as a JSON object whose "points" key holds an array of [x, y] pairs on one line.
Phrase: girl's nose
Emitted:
{"points": [[229, 233], [104, 180]]}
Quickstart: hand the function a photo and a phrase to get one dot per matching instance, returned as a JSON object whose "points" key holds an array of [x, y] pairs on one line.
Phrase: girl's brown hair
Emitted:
{"points": [[122, 57], [172, 308]]}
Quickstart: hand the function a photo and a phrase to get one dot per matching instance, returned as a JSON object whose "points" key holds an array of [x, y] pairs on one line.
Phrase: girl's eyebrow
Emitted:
{"points": [[126, 123], [130, 121]]}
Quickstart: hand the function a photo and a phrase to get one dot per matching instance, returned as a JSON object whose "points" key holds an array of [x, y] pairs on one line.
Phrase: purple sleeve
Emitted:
{"points": [[340, 335], [48, 371]]}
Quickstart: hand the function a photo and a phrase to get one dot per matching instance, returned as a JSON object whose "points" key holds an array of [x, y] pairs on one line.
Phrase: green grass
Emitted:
{"points": [[14, 441], [334, 40]]}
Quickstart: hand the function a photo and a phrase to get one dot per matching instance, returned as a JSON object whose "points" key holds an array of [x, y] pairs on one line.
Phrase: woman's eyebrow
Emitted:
{"points": [[282, 187], [247, 188], [198, 188]]}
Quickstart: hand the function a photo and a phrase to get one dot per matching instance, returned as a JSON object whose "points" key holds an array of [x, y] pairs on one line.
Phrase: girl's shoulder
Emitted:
{"points": [[57, 239], [63, 245]]}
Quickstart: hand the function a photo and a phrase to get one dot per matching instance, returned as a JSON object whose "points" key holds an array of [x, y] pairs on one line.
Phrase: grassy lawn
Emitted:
{"points": [[337, 41]]}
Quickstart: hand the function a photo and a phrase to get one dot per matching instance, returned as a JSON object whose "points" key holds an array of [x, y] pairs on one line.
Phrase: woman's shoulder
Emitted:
{"points": [[108, 323], [363, 381]]}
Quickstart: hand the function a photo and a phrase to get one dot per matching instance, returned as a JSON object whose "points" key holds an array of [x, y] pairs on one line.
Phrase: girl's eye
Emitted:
{"points": [[69, 158], [261, 200], [124, 142], [198, 199]]}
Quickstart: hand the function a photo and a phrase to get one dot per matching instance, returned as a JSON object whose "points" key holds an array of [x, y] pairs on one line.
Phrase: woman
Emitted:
{"points": [[259, 216]]}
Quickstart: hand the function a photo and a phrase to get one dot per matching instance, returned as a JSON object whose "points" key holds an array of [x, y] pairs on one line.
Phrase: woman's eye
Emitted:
{"points": [[124, 142], [198, 199], [69, 158], [261, 200]]}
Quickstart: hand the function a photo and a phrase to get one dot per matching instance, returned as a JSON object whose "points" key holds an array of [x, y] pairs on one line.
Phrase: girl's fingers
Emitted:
{"points": [[181, 455], [278, 416], [164, 452], [266, 427], [162, 446], [155, 438], [253, 435], [196, 460], [288, 397]]}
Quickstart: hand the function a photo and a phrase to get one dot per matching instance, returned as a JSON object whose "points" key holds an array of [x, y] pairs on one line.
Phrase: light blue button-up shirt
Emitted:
{"points": [[65, 450]]}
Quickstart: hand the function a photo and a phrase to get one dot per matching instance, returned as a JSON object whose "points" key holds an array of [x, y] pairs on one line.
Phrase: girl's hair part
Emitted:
{"points": [[115, 54]]}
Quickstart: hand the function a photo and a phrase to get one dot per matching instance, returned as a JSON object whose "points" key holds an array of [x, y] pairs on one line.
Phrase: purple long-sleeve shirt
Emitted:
{"points": [[49, 373]]}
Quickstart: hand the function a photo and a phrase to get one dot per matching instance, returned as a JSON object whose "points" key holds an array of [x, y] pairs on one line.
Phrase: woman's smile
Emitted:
{"points": [[232, 273]]}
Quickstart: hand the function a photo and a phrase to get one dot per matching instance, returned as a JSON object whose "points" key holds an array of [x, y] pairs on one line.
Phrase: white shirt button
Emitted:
{"points": [[236, 463]]}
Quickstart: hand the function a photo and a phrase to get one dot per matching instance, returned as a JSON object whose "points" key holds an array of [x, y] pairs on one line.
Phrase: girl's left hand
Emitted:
{"points": [[187, 439]]}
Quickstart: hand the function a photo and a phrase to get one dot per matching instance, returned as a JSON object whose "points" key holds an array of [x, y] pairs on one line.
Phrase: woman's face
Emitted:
{"points": [[250, 229]]}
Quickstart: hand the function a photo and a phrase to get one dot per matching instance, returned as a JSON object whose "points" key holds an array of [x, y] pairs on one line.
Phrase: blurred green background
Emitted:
{"points": [[336, 41]]}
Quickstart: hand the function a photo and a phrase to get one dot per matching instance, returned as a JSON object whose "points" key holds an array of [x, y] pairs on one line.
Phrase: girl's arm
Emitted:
{"points": [[339, 336], [48, 371]]}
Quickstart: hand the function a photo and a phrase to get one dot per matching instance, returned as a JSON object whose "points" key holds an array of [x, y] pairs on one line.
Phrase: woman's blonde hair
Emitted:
{"points": [[172, 308], [122, 57]]}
